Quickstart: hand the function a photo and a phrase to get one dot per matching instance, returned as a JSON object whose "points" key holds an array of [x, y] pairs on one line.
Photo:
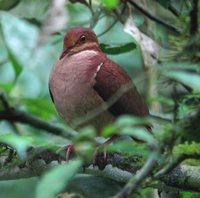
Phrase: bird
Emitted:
{"points": [[84, 78]]}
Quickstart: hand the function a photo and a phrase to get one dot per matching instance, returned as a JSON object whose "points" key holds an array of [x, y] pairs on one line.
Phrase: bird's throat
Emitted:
{"points": [[79, 48]]}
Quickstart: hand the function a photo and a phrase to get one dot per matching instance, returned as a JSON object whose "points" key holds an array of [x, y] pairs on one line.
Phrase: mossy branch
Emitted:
{"points": [[116, 167]]}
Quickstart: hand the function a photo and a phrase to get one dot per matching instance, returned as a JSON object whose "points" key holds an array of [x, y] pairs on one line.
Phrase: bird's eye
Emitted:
{"points": [[82, 38]]}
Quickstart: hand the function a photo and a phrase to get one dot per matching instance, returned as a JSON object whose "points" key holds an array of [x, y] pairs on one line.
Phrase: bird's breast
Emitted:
{"points": [[71, 84]]}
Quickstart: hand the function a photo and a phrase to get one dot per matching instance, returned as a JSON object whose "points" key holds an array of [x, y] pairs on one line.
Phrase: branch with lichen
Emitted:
{"points": [[116, 166]]}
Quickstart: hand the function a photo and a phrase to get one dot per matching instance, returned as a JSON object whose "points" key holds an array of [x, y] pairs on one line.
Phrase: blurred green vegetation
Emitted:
{"points": [[26, 61]]}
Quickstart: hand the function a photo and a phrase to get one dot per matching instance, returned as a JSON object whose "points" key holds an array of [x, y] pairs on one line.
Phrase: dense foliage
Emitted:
{"points": [[157, 42]]}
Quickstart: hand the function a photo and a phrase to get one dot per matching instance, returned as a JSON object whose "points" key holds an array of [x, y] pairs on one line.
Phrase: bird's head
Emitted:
{"points": [[79, 39]]}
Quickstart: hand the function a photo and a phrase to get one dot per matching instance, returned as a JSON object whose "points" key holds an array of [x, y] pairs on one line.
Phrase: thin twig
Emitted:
{"points": [[154, 18], [89, 5], [159, 117], [173, 137], [109, 28], [7, 108], [119, 13], [191, 45], [115, 21], [5, 104], [173, 10], [194, 18]]}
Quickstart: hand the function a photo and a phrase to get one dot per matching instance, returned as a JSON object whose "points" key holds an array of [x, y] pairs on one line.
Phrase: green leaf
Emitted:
{"points": [[161, 100], [34, 10], [55, 180], [8, 4], [85, 134], [16, 64], [129, 125], [187, 149], [7, 87], [117, 49], [35, 105], [20, 39], [190, 79], [130, 120], [121, 122], [19, 143], [109, 130], [189, 195], [129, 146], [110, 4], [139, 133]]}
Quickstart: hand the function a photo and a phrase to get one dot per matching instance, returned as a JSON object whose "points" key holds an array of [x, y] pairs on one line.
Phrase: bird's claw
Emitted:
{"points": [[104, 145], [94, 159], [69, 149]]}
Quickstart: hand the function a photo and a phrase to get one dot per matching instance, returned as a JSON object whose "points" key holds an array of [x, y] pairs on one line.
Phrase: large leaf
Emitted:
{"points": [[35, 10], [56, 179], [138, 133], [131, 126], [190, 79], [20, 39], [40, 107], [122, 122], [117, 49]]}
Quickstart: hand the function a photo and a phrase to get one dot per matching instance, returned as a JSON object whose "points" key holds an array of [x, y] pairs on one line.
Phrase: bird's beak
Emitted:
{"points": [[64, 52]]}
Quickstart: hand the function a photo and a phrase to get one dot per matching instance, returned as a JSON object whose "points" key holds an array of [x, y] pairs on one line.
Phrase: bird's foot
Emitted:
{"points": [[69, 150], [104, 145], [96, 151]]}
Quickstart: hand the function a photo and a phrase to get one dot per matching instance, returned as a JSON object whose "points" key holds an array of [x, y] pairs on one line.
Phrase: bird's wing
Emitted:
{"points": [[111, 81]]}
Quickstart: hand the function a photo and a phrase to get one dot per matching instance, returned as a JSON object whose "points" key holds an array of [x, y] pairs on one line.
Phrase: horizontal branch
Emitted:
{"points": [[175, 163], [14, 115], [115, 167], [184, 177]]}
